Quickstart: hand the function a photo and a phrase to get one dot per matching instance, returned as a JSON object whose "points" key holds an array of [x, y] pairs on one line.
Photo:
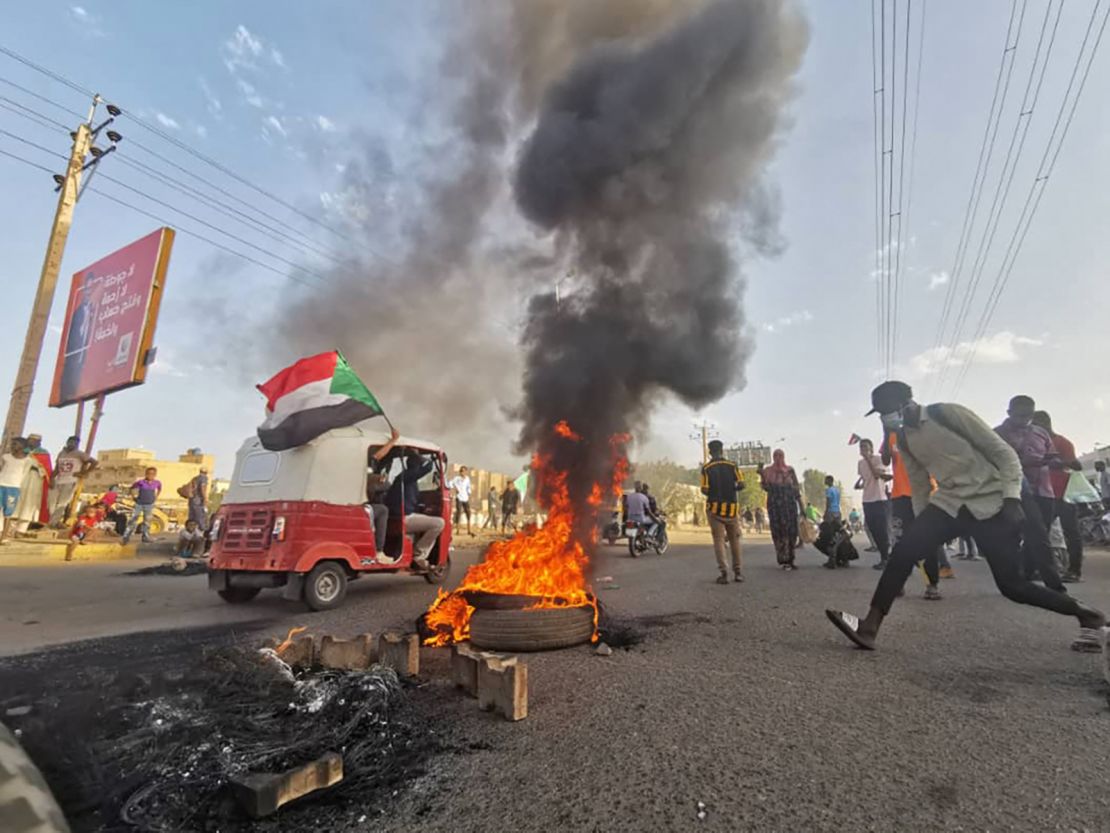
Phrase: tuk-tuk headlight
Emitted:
{"points": [[279, 528], [214, 534]]}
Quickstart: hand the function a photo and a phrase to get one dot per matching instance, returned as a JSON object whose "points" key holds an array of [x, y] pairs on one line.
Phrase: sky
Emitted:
{"points": [[285, 96]]}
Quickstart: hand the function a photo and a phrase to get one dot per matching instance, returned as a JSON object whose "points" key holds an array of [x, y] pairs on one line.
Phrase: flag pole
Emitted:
{"points": [[387, 422]]}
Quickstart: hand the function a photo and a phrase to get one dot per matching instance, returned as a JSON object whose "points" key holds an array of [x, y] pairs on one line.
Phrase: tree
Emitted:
{"points": [[753, 496], [813, 487]]}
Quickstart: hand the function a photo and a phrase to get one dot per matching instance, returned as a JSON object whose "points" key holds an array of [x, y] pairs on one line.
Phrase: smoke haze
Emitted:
{"points": [[631, 134], [645, 163]]}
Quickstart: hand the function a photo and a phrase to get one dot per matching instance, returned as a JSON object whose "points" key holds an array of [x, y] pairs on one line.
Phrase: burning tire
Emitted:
{"points": [[26, 803], [537, 629]]}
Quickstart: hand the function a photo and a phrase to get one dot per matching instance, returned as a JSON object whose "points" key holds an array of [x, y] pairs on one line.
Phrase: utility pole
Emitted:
{"points": [[69, 191], [705, 432]]}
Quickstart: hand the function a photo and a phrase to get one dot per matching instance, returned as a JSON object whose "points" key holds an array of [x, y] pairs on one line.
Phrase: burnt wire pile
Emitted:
{"points": [[159, 757]]}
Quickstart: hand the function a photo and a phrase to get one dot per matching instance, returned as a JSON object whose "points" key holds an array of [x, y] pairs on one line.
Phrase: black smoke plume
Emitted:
{"points": [[646, 163]]}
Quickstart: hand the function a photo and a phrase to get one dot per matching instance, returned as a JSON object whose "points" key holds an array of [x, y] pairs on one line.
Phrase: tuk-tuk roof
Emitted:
{"points": [[332, 468]]}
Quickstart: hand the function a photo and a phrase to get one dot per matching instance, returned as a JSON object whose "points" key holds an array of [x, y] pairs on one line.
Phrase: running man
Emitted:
{"points": [[978, 478]]}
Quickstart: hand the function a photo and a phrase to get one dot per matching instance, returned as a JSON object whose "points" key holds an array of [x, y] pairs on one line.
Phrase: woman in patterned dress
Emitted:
{"points": [[784, 503]]}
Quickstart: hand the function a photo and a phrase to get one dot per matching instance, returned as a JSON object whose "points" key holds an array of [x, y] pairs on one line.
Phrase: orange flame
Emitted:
{"points": [[284, 646], [549, 562]]}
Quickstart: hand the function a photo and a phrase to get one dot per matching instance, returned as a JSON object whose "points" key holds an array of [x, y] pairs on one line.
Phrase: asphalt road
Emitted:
{"points": [[973, 715]]}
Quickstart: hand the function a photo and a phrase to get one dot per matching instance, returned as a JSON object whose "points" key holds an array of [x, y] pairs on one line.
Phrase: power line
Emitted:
{"points": [[198, 236], [1002, 189], [293, 230], [25, 161], [1039, 184], [16, 107], [35, 145], [165, 222], [904, 213], [876, 90], [73, 85], [209, 201], [215, 228], [26, 114], [986, 149], [42, 98], [180, 145]]}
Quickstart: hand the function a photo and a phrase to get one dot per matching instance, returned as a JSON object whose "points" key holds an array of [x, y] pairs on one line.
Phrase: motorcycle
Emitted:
{"points": [[640, 538], [611, 529]]}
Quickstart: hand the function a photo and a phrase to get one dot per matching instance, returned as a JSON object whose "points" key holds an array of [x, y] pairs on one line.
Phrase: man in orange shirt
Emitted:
{"points": [[901, 505]]}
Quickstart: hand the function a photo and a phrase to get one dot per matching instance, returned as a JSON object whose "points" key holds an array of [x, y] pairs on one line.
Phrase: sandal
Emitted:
{"points": [[848, 624], [1090, 640]]}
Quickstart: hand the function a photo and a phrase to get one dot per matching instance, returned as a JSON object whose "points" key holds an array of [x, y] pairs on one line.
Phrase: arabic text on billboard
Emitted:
{"points": [[110, 318]]}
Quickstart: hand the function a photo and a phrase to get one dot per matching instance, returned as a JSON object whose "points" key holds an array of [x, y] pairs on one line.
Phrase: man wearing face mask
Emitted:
{"points": [[978, 477], [1035, 451]]}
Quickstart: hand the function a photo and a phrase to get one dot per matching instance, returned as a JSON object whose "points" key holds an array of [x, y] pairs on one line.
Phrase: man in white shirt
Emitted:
{"points": [[872, 479], [461, 486], [13, 468], [72, 464]]}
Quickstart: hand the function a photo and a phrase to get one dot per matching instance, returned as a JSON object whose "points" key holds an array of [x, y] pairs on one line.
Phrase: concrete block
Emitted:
{"points": [[401, 652], [301, 652], [346, 654], [464, 665], [503, 687], [261, 794]]}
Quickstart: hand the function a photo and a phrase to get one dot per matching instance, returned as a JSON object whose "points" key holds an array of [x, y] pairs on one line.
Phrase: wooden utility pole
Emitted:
{"points": [[705, 432], [69, 187]]}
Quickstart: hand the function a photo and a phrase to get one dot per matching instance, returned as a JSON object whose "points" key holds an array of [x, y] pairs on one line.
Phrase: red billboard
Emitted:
{"points": [[110, 319]]}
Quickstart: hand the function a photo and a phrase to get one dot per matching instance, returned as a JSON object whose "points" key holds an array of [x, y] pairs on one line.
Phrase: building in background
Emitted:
{"points": [[749, 454]]}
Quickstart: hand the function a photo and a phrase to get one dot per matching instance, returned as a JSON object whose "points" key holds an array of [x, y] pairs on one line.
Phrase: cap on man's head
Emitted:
{"points": [[716, 445], [1021, 402], [73, 439], [889, 396]]}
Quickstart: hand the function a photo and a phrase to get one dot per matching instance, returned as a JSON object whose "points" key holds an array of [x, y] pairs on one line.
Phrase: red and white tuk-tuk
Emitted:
{"points": [[301, 519]]}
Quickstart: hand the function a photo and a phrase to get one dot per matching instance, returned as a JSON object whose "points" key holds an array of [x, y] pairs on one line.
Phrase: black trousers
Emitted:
{"points": [[998, 543], [1069, 523], [901, 509], [1036, 550], [876, 515]]}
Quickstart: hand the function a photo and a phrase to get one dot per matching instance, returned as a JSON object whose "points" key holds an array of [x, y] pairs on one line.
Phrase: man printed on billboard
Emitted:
{"points": [[78, 340]]}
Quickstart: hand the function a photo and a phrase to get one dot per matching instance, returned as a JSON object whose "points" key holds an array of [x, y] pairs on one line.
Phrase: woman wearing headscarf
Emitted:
{"points": [[784, 504]]}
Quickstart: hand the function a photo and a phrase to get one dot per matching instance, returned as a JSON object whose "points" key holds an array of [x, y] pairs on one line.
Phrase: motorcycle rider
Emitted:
{"points": [[657, 525]]}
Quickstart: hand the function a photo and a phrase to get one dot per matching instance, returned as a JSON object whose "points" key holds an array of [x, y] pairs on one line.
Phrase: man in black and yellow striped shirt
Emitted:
{"points": [[721, 482]]}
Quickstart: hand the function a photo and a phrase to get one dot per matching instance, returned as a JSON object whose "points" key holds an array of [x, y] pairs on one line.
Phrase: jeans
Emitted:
{"points": [[1069, 523], [998, 541], [145, 511], [379, 519], [877, 517], [1036, 551], [198, 512]]}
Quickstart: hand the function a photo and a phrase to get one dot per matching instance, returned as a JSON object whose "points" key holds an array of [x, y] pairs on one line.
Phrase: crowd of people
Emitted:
{"points": [[941, 477], [953, 477], [36, 490]]}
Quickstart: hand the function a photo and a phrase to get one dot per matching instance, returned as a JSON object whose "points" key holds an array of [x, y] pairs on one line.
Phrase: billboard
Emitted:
{"points": [[110, 319], [748, 454]]}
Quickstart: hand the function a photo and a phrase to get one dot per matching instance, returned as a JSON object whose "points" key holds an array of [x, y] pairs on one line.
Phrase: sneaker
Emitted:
{"points": [[722, 578], [880, 565], [932, 594], [947, 572], [420, 565], [738, 578], [870, 549]]}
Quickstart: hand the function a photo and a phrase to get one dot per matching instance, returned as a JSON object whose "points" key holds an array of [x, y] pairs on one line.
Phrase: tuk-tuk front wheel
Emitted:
{"points": [[326, 586], [238, 595]]}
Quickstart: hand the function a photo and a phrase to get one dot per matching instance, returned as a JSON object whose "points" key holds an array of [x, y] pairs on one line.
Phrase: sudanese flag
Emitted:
{"points": [[311, 397]]}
